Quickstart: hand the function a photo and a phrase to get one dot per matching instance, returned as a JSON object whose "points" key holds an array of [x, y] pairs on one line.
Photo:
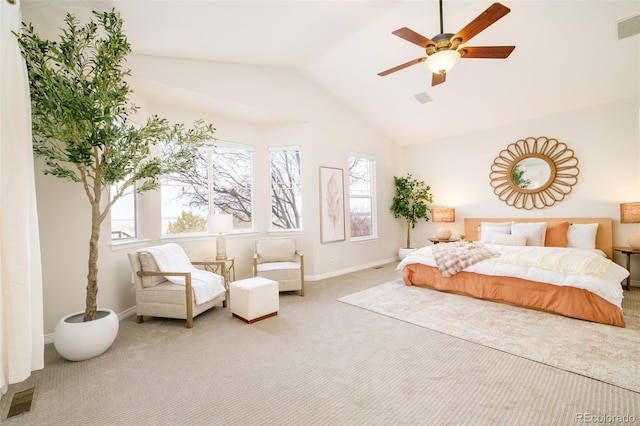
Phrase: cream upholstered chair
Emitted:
{"points": [[156, 296], [278, 259]]}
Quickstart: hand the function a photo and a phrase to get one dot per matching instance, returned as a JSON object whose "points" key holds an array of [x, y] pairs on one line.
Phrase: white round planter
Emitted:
{"points": [[78, 341], [403, 252]]}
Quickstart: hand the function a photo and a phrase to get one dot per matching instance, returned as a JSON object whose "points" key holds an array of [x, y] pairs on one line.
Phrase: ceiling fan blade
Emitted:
{"points": [[413, 37], [400, 67], [438, 78], [490, 52], [486, 18]]}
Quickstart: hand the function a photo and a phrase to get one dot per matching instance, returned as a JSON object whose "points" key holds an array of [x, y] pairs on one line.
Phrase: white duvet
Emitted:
{"points": [[574, 267]]}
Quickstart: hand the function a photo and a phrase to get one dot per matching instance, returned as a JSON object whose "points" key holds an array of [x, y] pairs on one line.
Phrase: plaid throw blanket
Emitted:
{"points": [[452, 258]]}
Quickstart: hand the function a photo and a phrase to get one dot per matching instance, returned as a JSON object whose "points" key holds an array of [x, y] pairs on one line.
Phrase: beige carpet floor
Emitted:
{"points": [[598, 351], [319, 362]]}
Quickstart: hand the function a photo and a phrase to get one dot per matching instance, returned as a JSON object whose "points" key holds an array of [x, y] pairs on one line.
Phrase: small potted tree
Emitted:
{"points": [[410, 203], [82, 128]]}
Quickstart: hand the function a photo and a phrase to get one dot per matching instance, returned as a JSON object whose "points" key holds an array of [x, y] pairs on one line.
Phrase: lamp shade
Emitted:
{"points": [[630, 213], [442, 61], [443, 214], [220, 223]]}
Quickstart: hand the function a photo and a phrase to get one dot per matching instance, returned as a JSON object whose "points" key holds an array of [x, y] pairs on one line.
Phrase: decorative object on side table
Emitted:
{"points": [[442, 215], [81, 109], [220, 224], [410, 202], [630, 213]]}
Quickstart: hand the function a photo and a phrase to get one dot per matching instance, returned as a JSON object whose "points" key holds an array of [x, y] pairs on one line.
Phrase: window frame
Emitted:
{"points": [[372, 196], [279, 148], [211, 156]]}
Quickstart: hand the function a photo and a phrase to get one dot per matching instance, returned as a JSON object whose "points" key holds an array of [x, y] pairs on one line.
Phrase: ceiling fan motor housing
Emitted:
{"points": [[444, 41]]}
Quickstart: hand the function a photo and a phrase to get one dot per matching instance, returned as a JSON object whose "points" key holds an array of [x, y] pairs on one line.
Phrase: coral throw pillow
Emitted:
{"points": [[556, 235]]}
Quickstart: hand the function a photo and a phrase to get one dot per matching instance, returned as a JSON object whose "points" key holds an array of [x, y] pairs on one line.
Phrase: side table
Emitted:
{"points": [[628, 251], [226, 268], [437, 240]]}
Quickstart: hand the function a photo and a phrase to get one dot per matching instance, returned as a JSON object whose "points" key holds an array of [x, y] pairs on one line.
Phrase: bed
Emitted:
{"points": [[579, 281]]}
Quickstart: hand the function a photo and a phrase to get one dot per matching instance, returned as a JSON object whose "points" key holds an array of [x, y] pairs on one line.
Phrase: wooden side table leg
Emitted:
{"points": [[629, 270]]}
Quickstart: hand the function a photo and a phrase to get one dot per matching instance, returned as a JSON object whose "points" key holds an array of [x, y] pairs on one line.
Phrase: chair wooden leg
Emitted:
{"points": [[139, 319]]}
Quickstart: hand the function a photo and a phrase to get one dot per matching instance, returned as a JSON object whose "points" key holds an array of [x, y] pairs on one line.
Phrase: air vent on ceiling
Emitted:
{"points": [[423, 98], [629, 27]]}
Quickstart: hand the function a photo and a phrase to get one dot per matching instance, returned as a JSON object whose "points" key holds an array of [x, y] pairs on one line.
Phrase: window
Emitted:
{"points": [[123, 216], [286, 194], [231, 172], [185, 202], [362, 197], [220, 183]]}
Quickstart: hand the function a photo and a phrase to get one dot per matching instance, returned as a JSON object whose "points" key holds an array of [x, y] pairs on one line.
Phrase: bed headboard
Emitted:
{"points": [[604, 237]]}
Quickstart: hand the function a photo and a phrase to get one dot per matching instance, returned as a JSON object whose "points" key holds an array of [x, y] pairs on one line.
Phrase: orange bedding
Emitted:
{"points": [[568, 301]]}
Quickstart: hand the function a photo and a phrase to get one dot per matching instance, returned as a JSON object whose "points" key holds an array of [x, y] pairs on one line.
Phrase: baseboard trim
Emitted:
{"points": [[349, 270]]}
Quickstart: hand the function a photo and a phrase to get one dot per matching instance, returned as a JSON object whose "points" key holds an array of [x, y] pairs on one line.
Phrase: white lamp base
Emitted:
{"points": [[634, 241], [443, 233], [221, 247]]}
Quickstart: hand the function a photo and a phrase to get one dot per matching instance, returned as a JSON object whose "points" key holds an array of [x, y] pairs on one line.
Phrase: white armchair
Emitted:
{"points": [[157, 296], [279, 260]]}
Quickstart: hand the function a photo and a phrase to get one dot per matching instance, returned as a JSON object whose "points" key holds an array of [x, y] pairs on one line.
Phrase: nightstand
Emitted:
{"points": [[437, 240], [628, 251]]}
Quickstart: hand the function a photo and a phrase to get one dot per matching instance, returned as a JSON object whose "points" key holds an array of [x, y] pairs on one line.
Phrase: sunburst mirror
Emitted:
{"points": [[534, 173]]}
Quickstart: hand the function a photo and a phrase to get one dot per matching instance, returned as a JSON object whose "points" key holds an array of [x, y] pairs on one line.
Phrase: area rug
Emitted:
{"points": [[602, 352]]}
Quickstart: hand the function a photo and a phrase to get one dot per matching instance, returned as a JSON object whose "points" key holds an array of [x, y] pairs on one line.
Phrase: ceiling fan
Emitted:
{"points": [[442, 51]]}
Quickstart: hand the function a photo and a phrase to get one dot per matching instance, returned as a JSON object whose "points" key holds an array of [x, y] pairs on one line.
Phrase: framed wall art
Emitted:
{"points": [[331, 205]]}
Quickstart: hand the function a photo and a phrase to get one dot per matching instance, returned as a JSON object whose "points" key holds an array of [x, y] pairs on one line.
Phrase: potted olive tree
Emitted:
{"points": [[82, 128], [410, 203]]}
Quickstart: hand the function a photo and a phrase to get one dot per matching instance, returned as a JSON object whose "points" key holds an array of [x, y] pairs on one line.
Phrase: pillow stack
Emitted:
{"points": [[557, 234]]}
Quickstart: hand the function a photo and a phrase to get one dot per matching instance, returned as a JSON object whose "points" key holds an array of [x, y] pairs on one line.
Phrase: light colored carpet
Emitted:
{"points": [[598, 351], [320, 362]]}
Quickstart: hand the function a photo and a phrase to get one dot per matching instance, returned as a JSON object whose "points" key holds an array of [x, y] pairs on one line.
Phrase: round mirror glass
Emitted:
{"points": [[531, 173]]}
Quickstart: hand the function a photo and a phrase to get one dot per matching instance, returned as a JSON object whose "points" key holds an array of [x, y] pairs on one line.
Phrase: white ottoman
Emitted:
{"points": [[254, 299]]}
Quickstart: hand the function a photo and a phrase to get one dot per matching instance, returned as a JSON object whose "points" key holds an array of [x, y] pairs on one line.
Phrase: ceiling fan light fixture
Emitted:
{"points": [[442, 61]]}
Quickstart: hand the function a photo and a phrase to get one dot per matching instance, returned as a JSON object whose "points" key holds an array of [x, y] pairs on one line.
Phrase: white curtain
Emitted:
{"points": [[21, 325]]}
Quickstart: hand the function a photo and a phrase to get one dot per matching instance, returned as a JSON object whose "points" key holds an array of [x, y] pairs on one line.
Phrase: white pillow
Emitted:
{"points": [[488, 230], [535, 232], [582, 235], [510, 240]]}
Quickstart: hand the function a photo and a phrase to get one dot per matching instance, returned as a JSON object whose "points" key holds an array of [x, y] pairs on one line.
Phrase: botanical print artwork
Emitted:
{"points": [[332, 202], [331, 205]]}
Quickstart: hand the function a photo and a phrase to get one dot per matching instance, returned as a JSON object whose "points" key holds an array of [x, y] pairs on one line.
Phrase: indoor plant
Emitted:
{"points": [[82, 128], [410, 202]]}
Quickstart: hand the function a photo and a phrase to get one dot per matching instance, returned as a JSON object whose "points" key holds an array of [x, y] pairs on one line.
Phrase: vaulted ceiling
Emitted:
{"points": [[567, 54]]}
